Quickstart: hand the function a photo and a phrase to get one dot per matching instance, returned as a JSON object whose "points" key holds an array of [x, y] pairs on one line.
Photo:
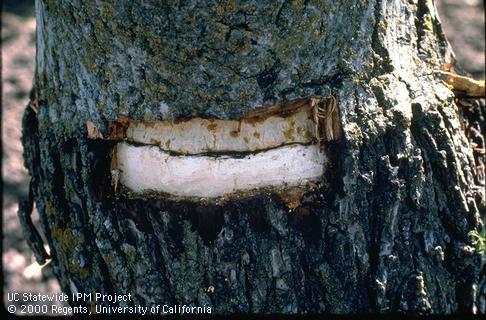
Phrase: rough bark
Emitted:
{"points": [[387, 231]]}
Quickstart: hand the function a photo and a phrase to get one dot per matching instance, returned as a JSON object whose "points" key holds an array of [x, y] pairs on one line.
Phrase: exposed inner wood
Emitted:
{"points": [[276, 149], [145, 169], [303, 121]]}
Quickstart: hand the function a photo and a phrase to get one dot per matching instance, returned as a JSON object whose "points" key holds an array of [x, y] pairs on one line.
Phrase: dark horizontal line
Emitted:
{"points": [[230, 154]]}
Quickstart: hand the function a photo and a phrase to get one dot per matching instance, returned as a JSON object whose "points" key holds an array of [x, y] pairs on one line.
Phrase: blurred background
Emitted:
{"points": [[463, 23]]}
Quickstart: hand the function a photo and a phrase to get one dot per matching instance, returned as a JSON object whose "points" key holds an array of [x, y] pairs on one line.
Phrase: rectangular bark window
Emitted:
{"points": [[272, 148]]}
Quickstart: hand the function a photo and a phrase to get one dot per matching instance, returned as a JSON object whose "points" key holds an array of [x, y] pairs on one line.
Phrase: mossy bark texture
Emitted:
{"points": [[386, 231]]}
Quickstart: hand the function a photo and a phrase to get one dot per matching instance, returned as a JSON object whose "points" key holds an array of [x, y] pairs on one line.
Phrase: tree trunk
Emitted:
{"points": [[386, 231]]}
